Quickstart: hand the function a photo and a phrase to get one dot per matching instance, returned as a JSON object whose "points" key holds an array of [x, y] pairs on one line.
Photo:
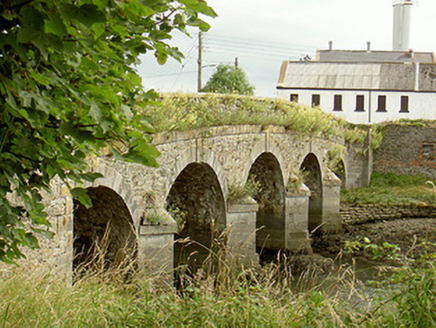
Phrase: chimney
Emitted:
{"points": [[402, 21], [330, 45], [368, 46]]}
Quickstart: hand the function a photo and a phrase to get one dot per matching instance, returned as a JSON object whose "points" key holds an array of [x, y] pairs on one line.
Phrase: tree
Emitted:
{"points": [[229, 79], [68, 88]]}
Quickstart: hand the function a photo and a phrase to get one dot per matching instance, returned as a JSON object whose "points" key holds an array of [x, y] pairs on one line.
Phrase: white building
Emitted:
{"points": [[367, 86]]}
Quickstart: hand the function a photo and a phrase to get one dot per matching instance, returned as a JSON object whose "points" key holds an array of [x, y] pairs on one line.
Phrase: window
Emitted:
{"points": [[337, 106], [316, 100], [381, 107], [404, 104], [294, 97], [360, 103]]}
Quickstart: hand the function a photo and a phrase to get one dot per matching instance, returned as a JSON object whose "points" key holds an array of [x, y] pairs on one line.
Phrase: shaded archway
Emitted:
{"points": [[196, 201], [104, 235], [313, 180], [270, 220]]}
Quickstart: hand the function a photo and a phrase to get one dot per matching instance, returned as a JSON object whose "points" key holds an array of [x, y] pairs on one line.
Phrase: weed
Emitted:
{"points": [[251, 188], [296, 180], [179, 216]]}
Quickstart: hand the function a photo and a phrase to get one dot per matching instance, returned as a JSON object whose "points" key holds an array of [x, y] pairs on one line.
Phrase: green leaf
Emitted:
{"points": [[32, 25], [99, 29], [55, 25], [68, 88], [87, 14], [82, 196]]}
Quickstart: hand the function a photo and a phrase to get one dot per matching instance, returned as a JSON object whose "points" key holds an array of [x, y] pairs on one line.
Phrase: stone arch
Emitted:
{"points": [[196, 198], [188, 157], [104, 235], [270, 219], [311, 170], [114, 180]]}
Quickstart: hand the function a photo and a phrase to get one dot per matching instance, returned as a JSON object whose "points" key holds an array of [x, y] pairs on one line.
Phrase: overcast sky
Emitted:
{"points": [[263, 33]]}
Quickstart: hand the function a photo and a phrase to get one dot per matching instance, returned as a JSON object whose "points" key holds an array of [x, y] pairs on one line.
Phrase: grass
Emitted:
{"points": [[254, 301], [187, 112], [266, 297], [391, 189]]}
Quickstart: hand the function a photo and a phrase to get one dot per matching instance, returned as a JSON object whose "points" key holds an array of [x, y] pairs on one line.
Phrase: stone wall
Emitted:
{"points": [[407, 149], [371, 212]]}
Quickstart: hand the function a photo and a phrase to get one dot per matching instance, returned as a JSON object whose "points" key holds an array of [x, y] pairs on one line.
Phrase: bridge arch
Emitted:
{"points": [[197, 202], [270, 219], [114, 180], [104, 235], [188, 157], [313, 178]]}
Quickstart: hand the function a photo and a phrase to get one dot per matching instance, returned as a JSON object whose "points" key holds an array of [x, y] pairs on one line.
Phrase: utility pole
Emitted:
{"points": [[200, 60], [236, 62]]}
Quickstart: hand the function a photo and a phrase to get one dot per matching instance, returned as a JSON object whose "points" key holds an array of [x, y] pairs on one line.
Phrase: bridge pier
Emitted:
{"points": [[156, 250], [331, 196], [241, 240], [296, 220]]}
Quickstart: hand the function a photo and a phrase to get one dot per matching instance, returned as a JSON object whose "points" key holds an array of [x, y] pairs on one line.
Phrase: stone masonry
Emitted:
{"points": [[210, 162]]}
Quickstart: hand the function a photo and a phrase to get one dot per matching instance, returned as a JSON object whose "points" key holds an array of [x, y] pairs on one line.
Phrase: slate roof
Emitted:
{"points": [[360, 56], [357, 76]]}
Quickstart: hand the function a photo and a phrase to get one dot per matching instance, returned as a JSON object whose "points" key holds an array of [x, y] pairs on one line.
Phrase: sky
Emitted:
{"points": [[263, 33]]}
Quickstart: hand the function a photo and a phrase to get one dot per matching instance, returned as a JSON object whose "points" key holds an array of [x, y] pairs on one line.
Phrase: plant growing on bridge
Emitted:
{"points": [[335, 155], [297, 179], [186, 112], [251, 188], [68, 88]]}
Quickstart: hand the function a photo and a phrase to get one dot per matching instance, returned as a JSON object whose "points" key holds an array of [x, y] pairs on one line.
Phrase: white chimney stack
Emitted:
{"points": [[402, 21]]}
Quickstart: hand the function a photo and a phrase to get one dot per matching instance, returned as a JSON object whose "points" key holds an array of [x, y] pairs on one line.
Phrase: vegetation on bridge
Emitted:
{"points": [[187, 112]]}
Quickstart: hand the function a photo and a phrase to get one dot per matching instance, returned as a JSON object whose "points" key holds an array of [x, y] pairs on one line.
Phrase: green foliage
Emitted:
{"points": [[229, 79], [179, 216], [376, 136], [296, 180], [153, 218], [251, 188], [68, 88], [335, 155], [410, 301], [186, 112], [355, 134], [392, 189]]}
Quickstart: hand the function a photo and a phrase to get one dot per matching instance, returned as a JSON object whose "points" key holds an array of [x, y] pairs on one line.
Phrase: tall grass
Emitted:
{"points": [[264, 297], [253, 301]]}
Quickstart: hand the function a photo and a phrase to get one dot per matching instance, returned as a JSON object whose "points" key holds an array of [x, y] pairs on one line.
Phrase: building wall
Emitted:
{"points": [[421, 104], [407, 149]]}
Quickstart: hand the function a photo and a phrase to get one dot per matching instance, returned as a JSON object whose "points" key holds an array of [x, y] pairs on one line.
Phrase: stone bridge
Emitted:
{"points": [[200, 184]]}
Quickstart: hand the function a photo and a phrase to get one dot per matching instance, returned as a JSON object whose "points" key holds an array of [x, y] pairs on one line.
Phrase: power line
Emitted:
{"points": [[240, 43]]}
